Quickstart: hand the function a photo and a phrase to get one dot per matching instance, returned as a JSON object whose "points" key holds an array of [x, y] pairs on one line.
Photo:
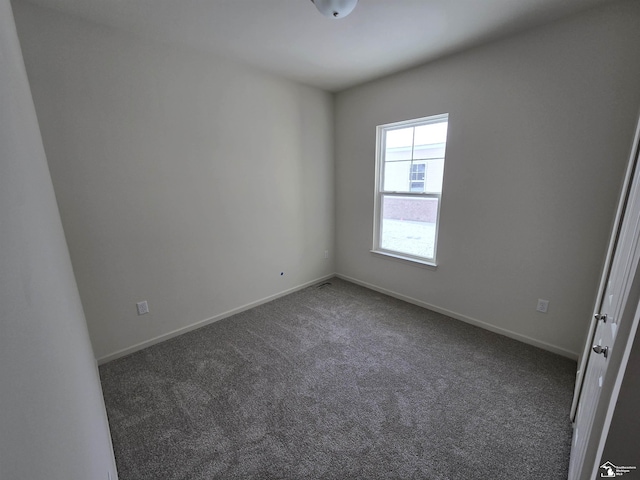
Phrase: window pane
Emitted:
{"points": [[396, 176], [398, 144], [408, 225], [428, 152], [417, 187], [417, 174], [432, 133], [435, 172]]}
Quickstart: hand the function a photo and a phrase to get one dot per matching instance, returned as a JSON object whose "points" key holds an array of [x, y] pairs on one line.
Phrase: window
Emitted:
{"points": [[417, 177], [409, 173]]}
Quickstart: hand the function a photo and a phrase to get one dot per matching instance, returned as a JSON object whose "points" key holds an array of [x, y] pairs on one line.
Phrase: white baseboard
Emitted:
{"points": [[166, 336], [473, 321]]}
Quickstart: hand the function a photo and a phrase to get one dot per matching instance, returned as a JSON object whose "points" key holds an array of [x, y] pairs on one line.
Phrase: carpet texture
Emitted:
{"points": [[340, 382]]}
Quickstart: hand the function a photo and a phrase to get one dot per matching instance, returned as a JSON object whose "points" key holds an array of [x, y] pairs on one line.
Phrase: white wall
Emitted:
{"points": [[164, 198], [540, 127], [182, 179], [53, 423]]}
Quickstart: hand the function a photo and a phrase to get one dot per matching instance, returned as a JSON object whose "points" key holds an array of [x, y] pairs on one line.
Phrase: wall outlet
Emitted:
{"points": [[143, 307], [543, 305], [326, 254]]}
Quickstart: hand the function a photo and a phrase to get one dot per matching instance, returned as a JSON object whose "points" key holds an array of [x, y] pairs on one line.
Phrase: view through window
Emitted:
{"points": [[410, 169]]}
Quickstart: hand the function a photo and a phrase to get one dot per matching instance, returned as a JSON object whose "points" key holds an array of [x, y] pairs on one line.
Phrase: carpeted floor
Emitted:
{"points": [[340, 382]]}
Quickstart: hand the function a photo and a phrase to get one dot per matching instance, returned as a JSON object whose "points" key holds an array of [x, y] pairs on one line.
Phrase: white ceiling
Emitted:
{"points": [[291, 38]]}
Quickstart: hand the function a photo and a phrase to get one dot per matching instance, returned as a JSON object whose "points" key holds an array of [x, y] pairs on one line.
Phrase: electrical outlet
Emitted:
{"points": [[143, 307], [326, 254], [543, 305]]}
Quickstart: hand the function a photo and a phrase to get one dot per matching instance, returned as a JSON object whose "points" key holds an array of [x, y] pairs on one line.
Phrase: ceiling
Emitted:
{"points": [[292, 39]]}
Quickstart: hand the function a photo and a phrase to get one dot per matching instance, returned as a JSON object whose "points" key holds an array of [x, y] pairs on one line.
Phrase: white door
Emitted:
{"points": [[616, 284]]}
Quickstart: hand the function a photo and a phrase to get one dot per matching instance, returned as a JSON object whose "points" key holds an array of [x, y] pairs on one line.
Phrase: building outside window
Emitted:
{"points": [[409, 177]]}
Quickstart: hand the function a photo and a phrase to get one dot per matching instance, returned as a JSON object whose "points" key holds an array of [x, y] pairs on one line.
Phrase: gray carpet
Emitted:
{"points": [[340, 382]]}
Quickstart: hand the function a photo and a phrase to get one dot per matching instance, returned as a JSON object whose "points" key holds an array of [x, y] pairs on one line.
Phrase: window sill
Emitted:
{"points": [[401, 258]]}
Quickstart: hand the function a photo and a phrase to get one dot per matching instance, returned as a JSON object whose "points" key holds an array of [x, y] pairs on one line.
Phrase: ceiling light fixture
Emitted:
{"points": [[335, 8]]}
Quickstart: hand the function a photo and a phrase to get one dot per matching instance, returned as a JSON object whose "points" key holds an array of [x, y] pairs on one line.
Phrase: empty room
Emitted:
{"points": [[329, 239]]}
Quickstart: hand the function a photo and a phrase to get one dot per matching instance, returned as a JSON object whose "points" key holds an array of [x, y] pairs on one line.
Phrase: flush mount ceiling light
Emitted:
{"points": [[335, 8]]}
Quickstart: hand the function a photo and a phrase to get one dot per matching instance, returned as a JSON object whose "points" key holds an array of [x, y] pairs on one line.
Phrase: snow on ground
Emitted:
{"points": [[414, 238]]}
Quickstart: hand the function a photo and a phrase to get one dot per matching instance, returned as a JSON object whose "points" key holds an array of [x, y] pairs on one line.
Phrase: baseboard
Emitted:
{"points": [[194, 326], [464, 318]]}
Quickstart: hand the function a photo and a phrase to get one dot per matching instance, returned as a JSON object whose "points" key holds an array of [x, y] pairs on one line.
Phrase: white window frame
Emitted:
{"points": [[380, 193]]}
